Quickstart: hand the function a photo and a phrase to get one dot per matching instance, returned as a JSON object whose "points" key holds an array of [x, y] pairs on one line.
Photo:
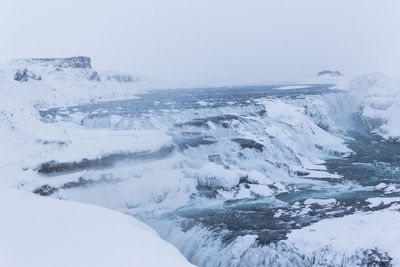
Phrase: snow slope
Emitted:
{"points": [[60, 86], [37, 231], [339, 241]]}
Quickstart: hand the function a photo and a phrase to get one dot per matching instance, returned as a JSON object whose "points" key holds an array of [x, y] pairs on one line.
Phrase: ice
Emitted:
{"points": [[375, 202], [321, 202], [291, 87], [378, 97], [202, 103]]}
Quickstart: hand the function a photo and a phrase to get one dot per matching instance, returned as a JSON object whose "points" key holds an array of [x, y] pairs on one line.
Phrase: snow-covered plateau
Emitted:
{"points": [[271, 175]]}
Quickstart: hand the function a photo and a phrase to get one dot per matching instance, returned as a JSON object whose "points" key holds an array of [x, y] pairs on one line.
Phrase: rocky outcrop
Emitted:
{"points": [[45, 66], [120, 77], [71, 62], [24, 75], [94, 76], [330, 73]]}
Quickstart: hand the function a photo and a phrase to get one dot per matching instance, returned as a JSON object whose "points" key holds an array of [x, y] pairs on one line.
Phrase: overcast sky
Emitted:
{"points": [[208, 40]]}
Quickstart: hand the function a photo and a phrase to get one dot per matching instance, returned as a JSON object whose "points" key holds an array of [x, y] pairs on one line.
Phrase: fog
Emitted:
{"points": [[209, 41]]}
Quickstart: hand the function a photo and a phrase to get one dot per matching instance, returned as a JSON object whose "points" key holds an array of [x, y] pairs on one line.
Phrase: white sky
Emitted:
{"points": [[208, 40]]}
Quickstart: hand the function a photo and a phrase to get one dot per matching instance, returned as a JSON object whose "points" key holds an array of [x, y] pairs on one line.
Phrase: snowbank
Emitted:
{"points": [[37, 231], [335, 241]]}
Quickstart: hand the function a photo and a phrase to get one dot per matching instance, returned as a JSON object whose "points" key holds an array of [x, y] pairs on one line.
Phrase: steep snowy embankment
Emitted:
{"points": [[378, 97], [38, 231]]}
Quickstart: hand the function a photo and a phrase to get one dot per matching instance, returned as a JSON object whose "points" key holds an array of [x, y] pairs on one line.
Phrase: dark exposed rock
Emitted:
{"points": [[79, 183], [187, 142], [248, 143], [330, 73], [51, 142], [45, 190], [374, 257], [302, 173], [121, 78], [217, 159], [103, 162], [262, 112], [223, 121], [71, 62], [94, 76], [207, 191], [24, 75]]}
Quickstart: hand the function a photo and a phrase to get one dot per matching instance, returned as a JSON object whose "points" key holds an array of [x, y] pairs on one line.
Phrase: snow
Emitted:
{"points": [[297, 140], [321, 202], [377, 201], [202, 103], [291, 87], [331, 240], [258, 177], [375, 96], [240, 245], [81, 143], [379, 99], [37, 231]]}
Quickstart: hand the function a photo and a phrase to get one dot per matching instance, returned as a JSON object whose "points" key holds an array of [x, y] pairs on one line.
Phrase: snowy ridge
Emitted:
{"points": [[61, 85], [72, 62]]}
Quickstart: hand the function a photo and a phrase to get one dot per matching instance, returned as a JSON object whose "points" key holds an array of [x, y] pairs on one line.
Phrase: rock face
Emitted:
{"points": [[71, 62], [330, 73], [94, 76], [25, 68], [24, 75]]}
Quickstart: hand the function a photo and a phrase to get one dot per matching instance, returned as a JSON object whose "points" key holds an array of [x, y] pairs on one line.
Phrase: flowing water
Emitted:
{"points": [[258, 159]]}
